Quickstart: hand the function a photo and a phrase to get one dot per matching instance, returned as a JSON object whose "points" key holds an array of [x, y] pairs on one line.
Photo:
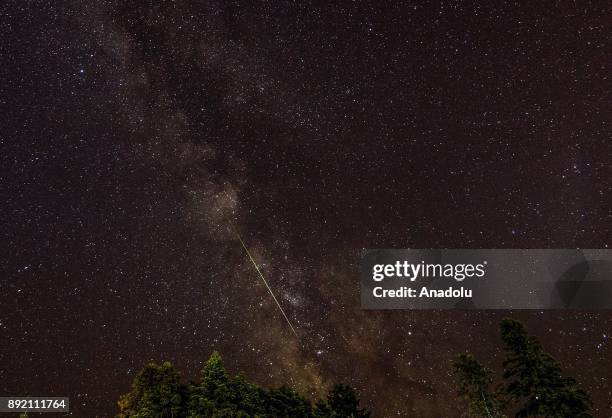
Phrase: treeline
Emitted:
{"points": [[158, 391], [532, 383]]}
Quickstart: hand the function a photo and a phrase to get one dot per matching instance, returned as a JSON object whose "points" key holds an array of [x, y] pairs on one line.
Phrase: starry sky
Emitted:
{"points": [[133, 133]]}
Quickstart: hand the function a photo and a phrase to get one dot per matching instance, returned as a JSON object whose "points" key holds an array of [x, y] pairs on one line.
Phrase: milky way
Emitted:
{"points": [[134, 131]]}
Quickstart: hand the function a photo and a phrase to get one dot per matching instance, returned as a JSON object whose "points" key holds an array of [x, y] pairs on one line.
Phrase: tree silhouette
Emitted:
{"points": [[534, 383], [341, 402], [285, 402], [474, 381], [158, 392], [535, 378]]}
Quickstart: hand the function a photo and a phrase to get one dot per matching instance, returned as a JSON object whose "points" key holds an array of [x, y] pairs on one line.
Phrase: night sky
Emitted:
{"points": [[132, 132]]}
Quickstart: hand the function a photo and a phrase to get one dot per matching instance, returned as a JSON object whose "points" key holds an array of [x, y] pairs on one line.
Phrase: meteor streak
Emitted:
{"points": [[263, 279]]}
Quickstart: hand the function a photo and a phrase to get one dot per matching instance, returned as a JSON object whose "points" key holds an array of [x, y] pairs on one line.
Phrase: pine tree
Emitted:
{"points": [[474, 381], [286, 402], [212, 393], [341, 403], [156, 392], [536, 380]]}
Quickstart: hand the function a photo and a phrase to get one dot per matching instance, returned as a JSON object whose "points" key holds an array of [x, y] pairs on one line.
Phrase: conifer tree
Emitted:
{"points": [[156, 392], [535, 379], [474, 382], [534, 383], [341, 403]]}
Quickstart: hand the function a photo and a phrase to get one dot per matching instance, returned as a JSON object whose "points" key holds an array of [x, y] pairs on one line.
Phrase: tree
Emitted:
{"points": [[156, 392], [211, 395], [219, 394], [285, 402], [474, 381], [535, 378], [341, 403], [534, 383]]}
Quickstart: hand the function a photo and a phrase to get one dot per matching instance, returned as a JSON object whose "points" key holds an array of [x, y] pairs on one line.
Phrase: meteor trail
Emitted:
{"points": [[263, 279]]}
